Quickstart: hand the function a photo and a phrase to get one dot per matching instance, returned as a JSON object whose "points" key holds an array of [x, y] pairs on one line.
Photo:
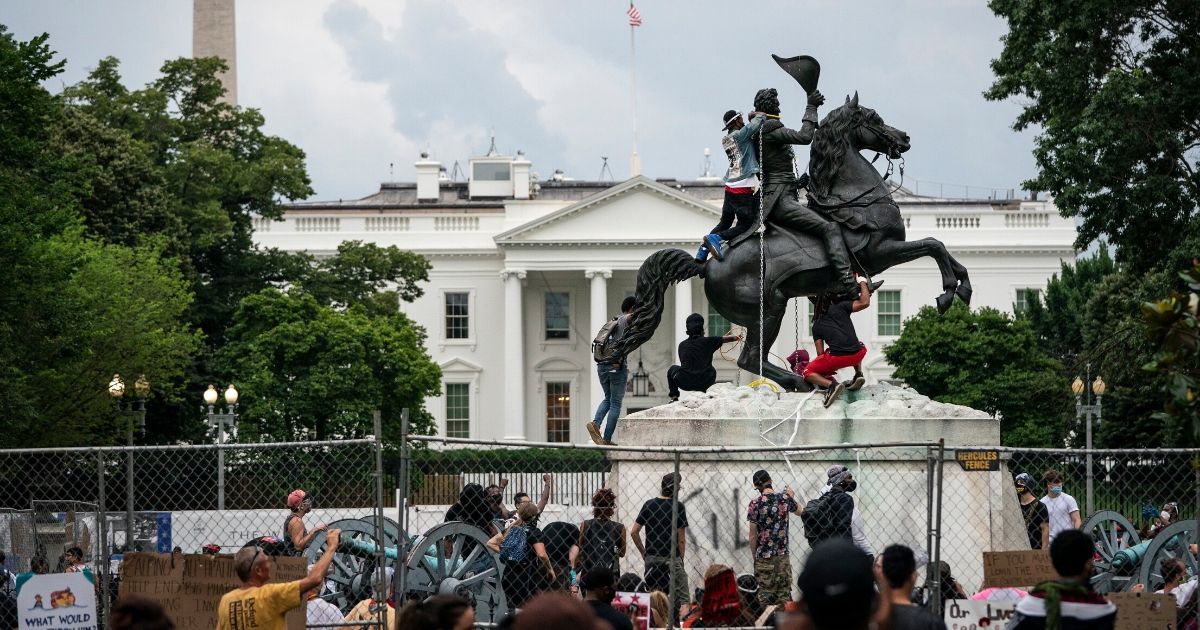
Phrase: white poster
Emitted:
{"points": [[57, 601], [964, 614]]}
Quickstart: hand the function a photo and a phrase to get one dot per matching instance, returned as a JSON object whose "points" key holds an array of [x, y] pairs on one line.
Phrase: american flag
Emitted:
{"points": [[635, 16]]}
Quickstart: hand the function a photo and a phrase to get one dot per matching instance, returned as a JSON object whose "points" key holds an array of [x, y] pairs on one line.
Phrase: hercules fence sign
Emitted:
{"points": [[978, 460]]}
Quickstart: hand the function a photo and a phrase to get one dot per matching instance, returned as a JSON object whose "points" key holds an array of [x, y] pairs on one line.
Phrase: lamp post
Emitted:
{"points": [[220, 421], [132, 410], [1089, 409]]}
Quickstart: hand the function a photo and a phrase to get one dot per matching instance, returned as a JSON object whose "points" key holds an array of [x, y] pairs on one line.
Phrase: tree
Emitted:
{"points": [[305, 366], [987, 360], [1060, 319], [1111, 87], [1173, 326]]}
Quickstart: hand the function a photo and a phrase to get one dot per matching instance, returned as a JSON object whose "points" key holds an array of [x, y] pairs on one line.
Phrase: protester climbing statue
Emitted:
{"points": [[850, 224]]}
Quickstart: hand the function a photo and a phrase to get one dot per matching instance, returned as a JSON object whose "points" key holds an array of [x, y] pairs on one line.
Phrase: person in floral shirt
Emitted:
{"points": [[768, 518]]}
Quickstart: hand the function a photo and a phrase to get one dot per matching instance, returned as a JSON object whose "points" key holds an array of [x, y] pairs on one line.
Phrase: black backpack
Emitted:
{"points": [[600, 545], [820, 519], [604, 346]]}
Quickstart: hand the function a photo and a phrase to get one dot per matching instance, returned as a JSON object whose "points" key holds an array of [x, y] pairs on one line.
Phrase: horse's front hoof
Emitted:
{"points": [[964, 293], [944, 301]]}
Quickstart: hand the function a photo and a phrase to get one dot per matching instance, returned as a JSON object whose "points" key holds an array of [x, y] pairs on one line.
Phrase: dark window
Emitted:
{"points": [[458, 316], [558, 412], [458, 410], [491, 172], [558, 315]]}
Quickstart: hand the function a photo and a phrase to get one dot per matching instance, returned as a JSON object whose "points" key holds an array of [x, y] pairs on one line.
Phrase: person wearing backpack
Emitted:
{"points": [[601, 541], [830, 515], [526, 565], [613, 372]]}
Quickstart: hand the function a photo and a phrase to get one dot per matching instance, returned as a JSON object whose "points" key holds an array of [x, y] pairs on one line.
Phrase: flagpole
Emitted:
{"points": [[635, 161]]}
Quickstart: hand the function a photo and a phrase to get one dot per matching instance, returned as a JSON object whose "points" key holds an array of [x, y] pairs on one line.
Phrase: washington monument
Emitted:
{"points": [[214, 35]]}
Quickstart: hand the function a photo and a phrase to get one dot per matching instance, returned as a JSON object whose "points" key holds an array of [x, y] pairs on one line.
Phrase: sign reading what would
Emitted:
{"points": [[1016, 568], [978, 459], [57, 601]]}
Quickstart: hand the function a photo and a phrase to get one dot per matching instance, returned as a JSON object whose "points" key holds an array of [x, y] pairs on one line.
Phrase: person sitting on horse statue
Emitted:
{"points": [[779, 183], [741, 185]]}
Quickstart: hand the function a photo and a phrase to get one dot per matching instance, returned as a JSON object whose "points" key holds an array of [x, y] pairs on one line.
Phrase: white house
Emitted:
{"points": [[525, 272]]}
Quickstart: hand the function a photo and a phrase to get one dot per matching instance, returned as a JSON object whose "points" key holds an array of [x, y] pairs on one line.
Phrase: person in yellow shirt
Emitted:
{"points": [[256, 605]]}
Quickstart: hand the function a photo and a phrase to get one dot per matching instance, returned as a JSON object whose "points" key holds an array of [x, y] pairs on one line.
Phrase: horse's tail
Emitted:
{"points": [[662, 269]]}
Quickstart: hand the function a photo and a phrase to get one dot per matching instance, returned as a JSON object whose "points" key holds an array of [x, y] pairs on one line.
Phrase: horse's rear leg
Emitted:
{"points": [[752, 351], [891, 253], [964, 280]]}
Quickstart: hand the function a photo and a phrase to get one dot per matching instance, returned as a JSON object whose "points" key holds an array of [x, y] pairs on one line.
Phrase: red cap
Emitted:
{"points": [[294, 499]]}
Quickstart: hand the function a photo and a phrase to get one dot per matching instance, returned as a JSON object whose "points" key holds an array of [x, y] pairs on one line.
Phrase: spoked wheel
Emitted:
{"points": [[1116, 537], [1173, 542], [349, 578], [453, 558]]}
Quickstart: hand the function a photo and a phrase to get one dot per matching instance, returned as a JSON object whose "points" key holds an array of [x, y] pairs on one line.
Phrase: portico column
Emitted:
{"points": [[514, 355], [683, 308], [599, 312]]}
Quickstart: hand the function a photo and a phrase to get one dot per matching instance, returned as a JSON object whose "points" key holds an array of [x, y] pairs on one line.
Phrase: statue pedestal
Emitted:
{"points": [[979, 509]]}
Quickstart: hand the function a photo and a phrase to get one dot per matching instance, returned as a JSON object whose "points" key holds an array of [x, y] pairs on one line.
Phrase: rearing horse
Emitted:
{"points": [[844, 187]]}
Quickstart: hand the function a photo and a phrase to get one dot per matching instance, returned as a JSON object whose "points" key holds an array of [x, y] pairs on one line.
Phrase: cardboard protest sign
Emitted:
{"points": [[191, 586], [1138, 611], [57, 601], [1016, 568], [965, 614], [624, 600]]}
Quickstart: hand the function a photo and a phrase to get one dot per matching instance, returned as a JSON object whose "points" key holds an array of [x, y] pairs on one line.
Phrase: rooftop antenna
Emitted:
{"points": [[391, 170], [456, 172], [707, 163], [492, 149], [604, 169]]}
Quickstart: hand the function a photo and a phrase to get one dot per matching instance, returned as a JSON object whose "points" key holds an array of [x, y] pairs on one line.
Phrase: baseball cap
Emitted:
{"points": [[1025, 481], [729, 116], [295, 498], [747, 583], [837, 584]]}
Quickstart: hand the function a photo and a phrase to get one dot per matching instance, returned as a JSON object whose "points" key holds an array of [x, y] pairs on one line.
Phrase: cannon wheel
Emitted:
{"points": [[1112, 533], [1171, 542], [348, 580], [431, 571]]}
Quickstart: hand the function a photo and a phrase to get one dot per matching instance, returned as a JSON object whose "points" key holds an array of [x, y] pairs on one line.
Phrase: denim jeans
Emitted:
{"points": [[612, 381]]}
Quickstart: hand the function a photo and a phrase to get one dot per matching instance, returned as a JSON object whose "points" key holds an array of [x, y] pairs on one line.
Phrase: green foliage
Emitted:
{"points": [[987, 360], [1060, 321], [1173, 326], [306, 367], [1111, 86], [359, 273], [511, 461]]}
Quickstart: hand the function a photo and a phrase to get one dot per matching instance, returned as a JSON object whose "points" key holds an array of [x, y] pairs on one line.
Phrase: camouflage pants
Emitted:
{"points": [[774, 577]]}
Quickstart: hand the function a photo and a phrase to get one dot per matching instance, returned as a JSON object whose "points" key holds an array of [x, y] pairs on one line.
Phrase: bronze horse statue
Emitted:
{"points": [[844, 187]]}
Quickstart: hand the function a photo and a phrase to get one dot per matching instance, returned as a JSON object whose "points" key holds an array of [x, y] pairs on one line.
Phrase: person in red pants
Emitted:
{"points": [[838, 345]]}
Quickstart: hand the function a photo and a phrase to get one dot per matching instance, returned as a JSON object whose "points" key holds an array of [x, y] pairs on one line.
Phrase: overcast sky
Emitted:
{"points": [[360, 84]]}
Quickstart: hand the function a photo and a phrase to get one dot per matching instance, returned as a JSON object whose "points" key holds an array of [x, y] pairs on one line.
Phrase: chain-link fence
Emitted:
{"points": [[662, 518], [105, 502]]}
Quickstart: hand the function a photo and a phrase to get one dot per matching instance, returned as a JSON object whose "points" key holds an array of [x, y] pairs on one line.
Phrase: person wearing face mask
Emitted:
{"points": [[1037, 515], [1061, 507], [832, 514]]}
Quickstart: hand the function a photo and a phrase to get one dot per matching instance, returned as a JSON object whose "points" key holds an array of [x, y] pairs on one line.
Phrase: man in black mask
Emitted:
{"points": [[831, 515]]}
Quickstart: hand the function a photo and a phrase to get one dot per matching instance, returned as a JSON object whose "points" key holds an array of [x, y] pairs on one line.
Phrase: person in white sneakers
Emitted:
{"points": [[1062, 507]]}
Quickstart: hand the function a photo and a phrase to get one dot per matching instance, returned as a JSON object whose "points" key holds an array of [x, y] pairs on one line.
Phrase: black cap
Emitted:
{"points": [[730, 116], [761, 478], [837, 584], [598, 577]]}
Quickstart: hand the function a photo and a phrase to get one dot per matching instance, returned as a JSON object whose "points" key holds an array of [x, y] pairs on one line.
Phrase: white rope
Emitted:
{"points": [[762, 253], [795, 416]]}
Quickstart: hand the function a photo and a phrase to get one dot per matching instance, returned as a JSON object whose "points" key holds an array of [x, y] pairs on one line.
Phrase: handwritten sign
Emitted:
{"points": [[1136, 611], [1016, 568], [57, 601], [978, 460], [191, 586], [964, 614]]}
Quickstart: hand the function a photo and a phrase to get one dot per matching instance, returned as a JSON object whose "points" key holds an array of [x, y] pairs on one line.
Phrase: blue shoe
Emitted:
{"points": [[702, 254], [713, 243]]}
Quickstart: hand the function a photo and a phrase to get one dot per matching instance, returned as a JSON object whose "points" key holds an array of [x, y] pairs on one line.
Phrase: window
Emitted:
{"points": [[458, 315], [558, 411], [458, 410], [558, 315], [491, 172], [717, 324], [1025, 298], [889, 313]]}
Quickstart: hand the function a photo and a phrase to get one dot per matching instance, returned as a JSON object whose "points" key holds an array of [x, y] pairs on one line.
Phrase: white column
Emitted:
{"points": [[514, 355], [599, 312], [683, 308]]}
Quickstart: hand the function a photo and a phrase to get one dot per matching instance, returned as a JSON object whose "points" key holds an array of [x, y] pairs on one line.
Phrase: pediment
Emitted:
{"points": [[556, 364], [636, 210], [459, 365]]}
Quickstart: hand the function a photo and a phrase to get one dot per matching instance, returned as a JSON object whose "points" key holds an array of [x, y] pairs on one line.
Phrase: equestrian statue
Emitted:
{"points": [[850, 223]]}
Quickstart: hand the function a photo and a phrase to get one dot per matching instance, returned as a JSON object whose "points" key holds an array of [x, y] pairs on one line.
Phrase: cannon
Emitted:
{"points": [[1174, 541], [451, 558], [1119, 551]]}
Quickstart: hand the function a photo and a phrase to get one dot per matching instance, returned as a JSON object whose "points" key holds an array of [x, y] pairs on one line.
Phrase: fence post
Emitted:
{"points": [[129, 494], [402, 507], [380, 556], [102, 532], [674, 542], [931, 586], [937, 536]]}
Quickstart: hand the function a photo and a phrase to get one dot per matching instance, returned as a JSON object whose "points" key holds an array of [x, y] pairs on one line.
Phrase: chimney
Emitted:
{"points": [[427, 178], [521, 168]]}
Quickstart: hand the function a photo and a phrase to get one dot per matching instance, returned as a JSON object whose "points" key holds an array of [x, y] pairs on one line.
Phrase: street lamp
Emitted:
{"points": [[220, 421], [132, 410], [1088, 409]]}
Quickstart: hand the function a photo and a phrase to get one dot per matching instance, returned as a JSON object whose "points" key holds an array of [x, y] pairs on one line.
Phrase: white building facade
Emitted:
{"points": [[525, 273]]}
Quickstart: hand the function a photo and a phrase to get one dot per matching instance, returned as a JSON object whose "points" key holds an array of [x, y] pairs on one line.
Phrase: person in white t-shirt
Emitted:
{"points": [[319, 612], [1062, 507]]}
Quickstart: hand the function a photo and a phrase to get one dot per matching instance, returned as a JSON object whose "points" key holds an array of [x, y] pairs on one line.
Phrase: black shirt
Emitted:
{"points": [[1035, 514], [605, 611], [696, 353], [909, 617], [480, 518], [836, 330], [655, 516]]}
